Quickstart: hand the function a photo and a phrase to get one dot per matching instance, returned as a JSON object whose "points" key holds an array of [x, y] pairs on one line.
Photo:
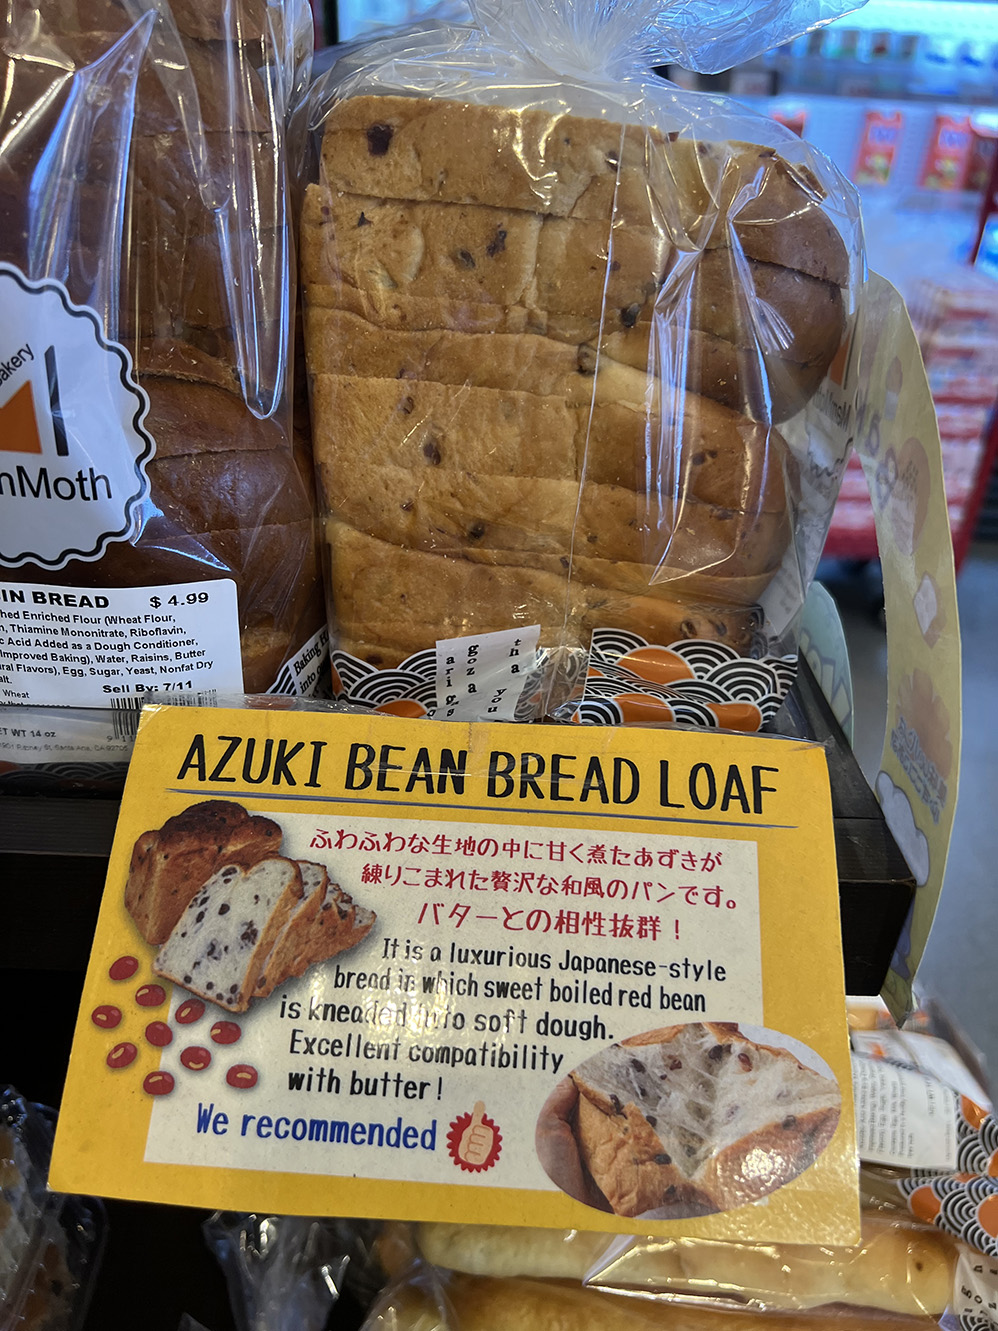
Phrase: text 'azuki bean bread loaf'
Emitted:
{"points": [[548, 358], [143, 214]]}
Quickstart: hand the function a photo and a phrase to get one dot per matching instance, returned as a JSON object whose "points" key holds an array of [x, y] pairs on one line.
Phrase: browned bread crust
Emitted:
{"points": [[168, 866]]}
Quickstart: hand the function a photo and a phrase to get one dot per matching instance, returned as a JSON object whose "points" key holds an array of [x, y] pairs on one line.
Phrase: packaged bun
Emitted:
{"points": [[440, 1301], [897, 1267], [565, 326], [152, 481]]}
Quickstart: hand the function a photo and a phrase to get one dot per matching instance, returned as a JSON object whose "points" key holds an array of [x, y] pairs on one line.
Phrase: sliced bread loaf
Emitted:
{"points": [[325, 922]]}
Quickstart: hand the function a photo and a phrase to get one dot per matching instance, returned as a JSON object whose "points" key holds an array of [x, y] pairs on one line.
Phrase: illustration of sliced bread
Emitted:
{"points": [[229, 929], [325, 922], [168, 866], [695, 1119]]}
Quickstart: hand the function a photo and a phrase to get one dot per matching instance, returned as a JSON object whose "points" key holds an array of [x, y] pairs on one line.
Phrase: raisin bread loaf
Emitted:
{"points": [[154, 151], [547, 357]]}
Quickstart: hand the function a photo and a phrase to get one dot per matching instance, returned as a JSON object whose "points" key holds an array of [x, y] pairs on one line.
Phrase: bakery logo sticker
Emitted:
{"points": [[73, 445], [686, 1121]]}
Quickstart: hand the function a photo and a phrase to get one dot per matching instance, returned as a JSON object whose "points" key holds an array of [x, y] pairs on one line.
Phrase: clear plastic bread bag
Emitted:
{"points": [[156, 490], [51, 1244], [284, 1273], [427, 1298], [900, 1269], [569, 330]]}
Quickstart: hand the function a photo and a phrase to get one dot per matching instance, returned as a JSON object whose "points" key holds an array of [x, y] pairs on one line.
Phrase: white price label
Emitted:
{"points": [[117, 646]]}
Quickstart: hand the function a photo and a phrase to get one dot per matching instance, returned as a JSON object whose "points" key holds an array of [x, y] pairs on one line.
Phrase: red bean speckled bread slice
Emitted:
{"points": [[228, 930]]}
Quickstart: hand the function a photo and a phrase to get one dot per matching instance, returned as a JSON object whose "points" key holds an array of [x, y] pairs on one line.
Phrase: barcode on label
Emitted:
{"points": [[125, 711]]}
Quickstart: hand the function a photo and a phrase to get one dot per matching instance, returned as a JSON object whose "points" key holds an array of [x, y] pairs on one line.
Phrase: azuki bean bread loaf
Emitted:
{"points": [[694, 1119], [727, 241], [547, 360]]}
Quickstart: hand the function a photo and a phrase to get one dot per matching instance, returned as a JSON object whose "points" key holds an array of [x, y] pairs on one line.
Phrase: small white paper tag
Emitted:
{"points": [[299, 675], [903, 1117], [481, 677], [975, 1292]]}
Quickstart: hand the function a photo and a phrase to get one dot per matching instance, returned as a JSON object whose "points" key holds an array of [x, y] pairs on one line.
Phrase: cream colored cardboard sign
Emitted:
{"points": [[893, 424], [568, 955]]}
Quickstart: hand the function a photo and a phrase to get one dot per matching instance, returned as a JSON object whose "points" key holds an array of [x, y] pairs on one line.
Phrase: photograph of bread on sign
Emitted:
{"points": [[687, 1121], [231, 917]]}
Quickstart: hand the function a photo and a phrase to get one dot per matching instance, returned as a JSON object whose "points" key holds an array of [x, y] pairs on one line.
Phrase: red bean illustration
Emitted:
{"points": [[106, 1017], [124, 968], [190, 1010], [121, 1055], [159, 1034], [196, 1058], [158, 1083], [242, 1077]]}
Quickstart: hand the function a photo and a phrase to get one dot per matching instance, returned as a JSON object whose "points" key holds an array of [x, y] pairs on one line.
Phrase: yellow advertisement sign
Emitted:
{"points": [[564, 976]]}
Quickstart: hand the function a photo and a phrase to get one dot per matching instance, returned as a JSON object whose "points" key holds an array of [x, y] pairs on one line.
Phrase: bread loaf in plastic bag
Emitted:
{"points": [[156, 491], [568, 331]]}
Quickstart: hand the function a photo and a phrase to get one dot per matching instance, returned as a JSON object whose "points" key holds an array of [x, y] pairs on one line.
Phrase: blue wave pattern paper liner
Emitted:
{"points": [[965, 1202], [711, 680]]}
